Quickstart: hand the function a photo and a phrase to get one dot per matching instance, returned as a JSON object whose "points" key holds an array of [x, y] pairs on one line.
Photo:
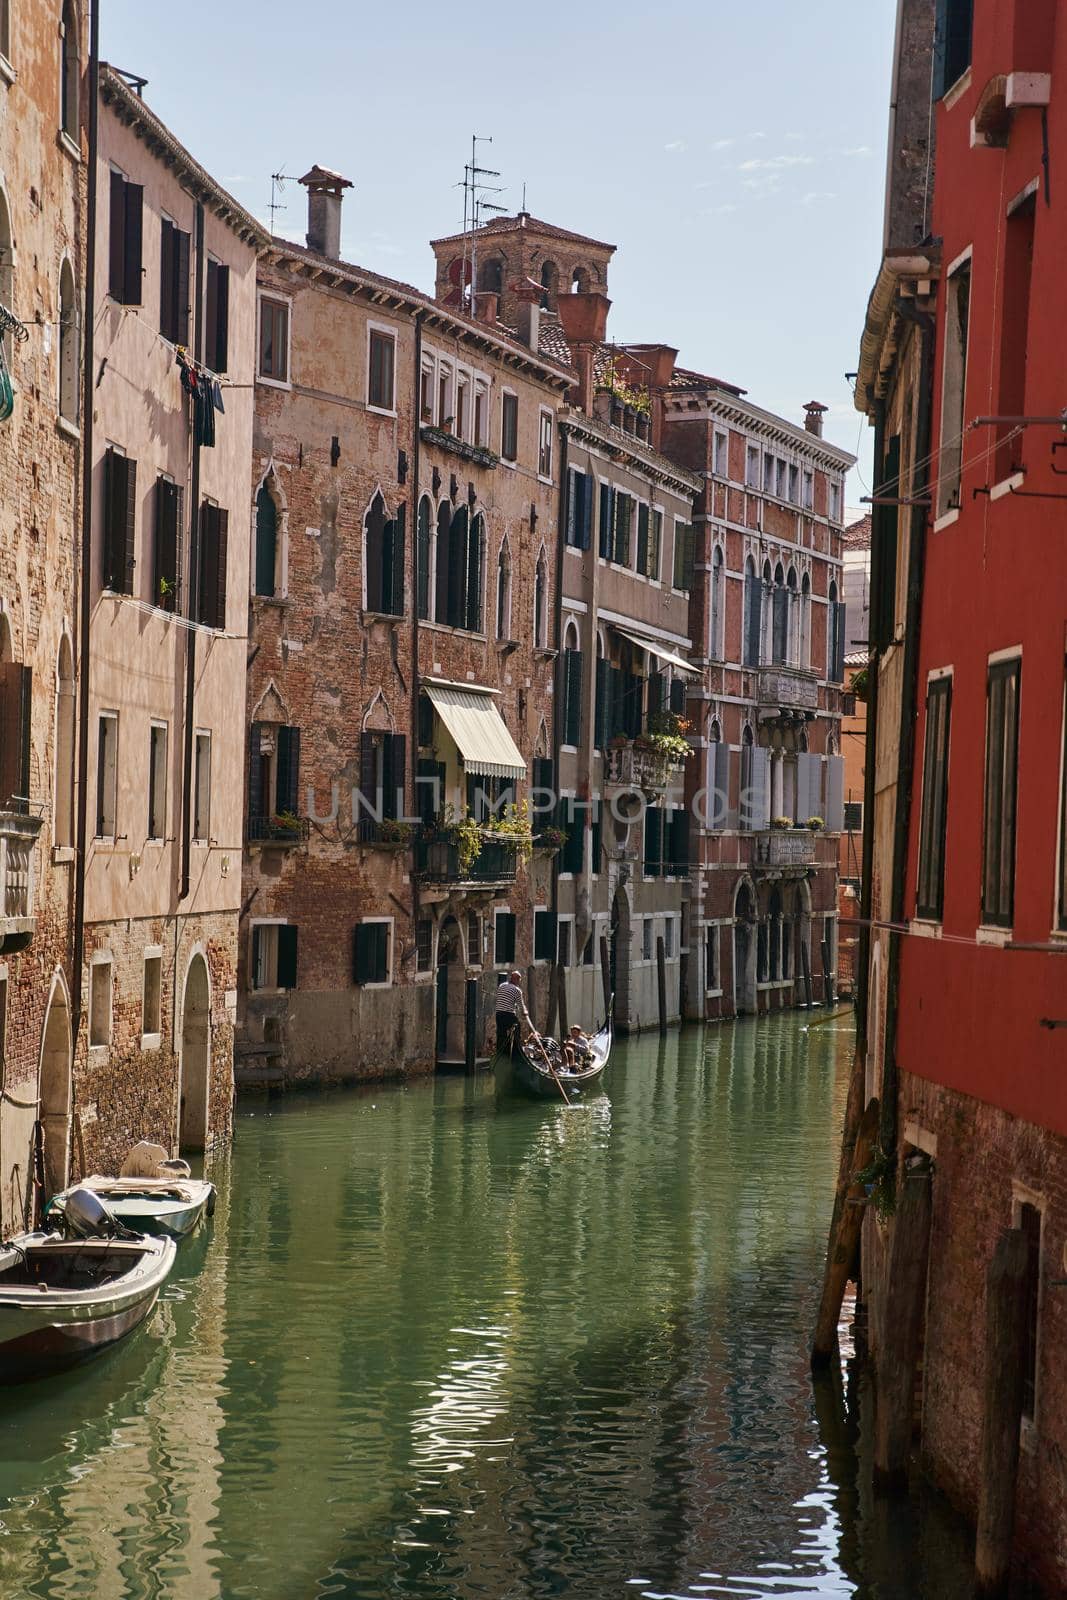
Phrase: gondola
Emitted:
{"points": [[172, 1206], [531, 1074]]}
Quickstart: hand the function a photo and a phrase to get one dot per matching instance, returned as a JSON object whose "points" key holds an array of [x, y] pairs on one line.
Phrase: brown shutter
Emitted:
{"points": [[168, 544], [129, 527], [117, 238], [117, 501], [222, 526], [181, 289], [167, 265], [211, 312], [207, 585], [16, 700], [134, 198]]}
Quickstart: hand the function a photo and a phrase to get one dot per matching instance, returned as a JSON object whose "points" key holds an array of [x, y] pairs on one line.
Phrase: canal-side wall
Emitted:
{"points": [[988, 1163]]}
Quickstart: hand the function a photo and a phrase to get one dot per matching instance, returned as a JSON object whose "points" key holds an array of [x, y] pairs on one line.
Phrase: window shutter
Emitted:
{"points": [[222, 321], [623, 509], [678, 696], [181, 288], [117, 239], [129, 528], [266, 541], [287, 957], [374, 537], [572, 697], [884, 556], [114, 538], [726, 762], [603, 691], [430, 791], [688, 556], [422, 598], [635, 706], [289, 770], [211, 311], [642, 540], [457, 570], [779, 623], [753, 618], [680, 839], [222, 523], [444, 561], [256, 806], [653, 842], [587, 510], [167, 273], [656, 694], [835, 789], [399, 541], [756, 804], [839, 641], [256, 930], [133, 197], [573, 493], [473, 608], [572, 819], [596, 838], [360, 942], [208, 584], [607, 519], [368, 775], [168, 525], [393, 767], [16, 684]]}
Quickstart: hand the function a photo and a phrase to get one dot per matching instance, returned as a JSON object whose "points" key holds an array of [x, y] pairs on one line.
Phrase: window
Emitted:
{"points": [[780, 479], [952, 43], [5, 51], [174, 283], [460, 567], [571, 818], [572, 695], [426, 378], [668, 938], [274, 948], [1015, 299], [544, 445], [1001, 770], [779, 619], [107, 774], [474, 939], [683, 556], [217, 316], [273, 773], [711, 959], [382, 775], [120, 521], [100, 1004], [504, 938], [372, 953], [266, 570], [481, 413], [166, 569], [509, 426], [718, 585], [835, 502], [462, 391], [721, 457], [794, 485], [809, 490], [201, 787], [211, 599], [563, 945], [424, 557], [848, 704], [768, 474], [624, 510], [383, 543], [752, 467], [157, 781], [835, 636], [380, 365], [541, 603], [579, 509], [70, 78], [544, 935], [152, 994], [503, 593], [273, 339], [852, 816], [68, 346], [424, 945], [953, 388], [647, 931], [16, 709], [445, 418], [1029, 1223], [63, 813], [655, 544]]}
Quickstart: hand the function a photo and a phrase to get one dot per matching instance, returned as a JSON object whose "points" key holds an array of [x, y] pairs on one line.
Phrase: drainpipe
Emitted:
{"points": [[416, 449], [558, 706], [194, 573], [908, 712], [86, 572], [874, 649]]}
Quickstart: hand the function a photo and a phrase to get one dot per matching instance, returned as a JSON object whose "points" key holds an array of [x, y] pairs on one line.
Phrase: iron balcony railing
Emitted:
{"points": [[437, 861], [277, 830]]}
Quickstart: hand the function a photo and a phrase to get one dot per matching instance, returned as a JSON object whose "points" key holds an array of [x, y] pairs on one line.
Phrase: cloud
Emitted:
{"points": [[815, 195], [758, 135], [775, 163], [723, 210], [794, 136], [722, 144], [675, 144], [856, 150]]}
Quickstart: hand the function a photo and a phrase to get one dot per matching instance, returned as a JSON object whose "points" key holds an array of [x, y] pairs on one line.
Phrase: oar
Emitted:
{"points": [[551, 1070]]}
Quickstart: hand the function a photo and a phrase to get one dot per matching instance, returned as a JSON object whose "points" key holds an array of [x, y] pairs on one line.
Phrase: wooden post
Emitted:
{"points": [[605, 974], [531, 980], [661, 983], [561, 1000], [1005, 1371], [470, 1031], [898, 1349], [844, 1237], [553, 997], [805, 972], [827, 975]]}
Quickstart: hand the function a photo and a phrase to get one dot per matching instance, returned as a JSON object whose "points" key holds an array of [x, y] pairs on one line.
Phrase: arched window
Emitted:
{"points": [[460, 567], [835, 655], [491, 276], [70, 85], [793, 642], [68, 345], [63, 793], [425, 557], [716, 645], [266, 542], [581, 282], [383, 547], [779, 619], [442, 550], [748, 808], [541, 603], [753, 614], [503, 593], [476, 575], [805, 622], [549, 285]]}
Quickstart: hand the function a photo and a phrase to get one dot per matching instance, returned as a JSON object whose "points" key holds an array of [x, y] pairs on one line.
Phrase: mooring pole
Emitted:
{"points": [[898, 1349], [605, 973], [661, 983], [1005, 1372], [844, 1237], [561, 1000]]}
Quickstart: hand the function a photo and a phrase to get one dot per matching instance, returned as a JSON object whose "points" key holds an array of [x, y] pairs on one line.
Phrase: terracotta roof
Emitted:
{"points": [[685, 378], [523, 221], [856, 658], [858, 536], [552, 341]]}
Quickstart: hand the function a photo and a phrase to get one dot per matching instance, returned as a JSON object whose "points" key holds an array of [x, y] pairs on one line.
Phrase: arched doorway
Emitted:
{"points": [[55, 1080], [744, 950], [451, 993], [620, 958], [195, 1057]]}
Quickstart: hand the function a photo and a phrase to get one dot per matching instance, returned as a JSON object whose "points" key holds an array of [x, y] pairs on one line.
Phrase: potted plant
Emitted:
{"points": [[780, 823], [394, 833], [816, 824], [513, 827], [551, 838], [285, 825], [859, 684], [618, 741]]}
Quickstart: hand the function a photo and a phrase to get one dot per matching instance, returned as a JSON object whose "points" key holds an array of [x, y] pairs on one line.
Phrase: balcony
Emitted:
{"points": [[788, 689], [632, 767], [437, 861], [18, 834], [784, 847], [281, 832]]}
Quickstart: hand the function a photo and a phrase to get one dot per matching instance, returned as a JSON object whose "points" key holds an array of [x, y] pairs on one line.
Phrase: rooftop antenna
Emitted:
{"points": [[475, 203], [524, 194], [277, 187]]}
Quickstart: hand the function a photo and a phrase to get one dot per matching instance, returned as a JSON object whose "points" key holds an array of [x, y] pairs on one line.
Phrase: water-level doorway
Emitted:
{"points": [[195, 1062], [55, 1091]]}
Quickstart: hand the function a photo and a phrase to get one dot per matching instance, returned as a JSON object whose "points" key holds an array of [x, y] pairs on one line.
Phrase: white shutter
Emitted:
{"points": [[728, 761], [756, 805], [809, 785], [835, 792]]}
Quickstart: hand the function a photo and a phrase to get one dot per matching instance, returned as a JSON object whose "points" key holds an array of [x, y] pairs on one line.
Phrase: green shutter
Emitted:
{"points": [[653, 842], [642, 540], [572, 705], [287, 957]]}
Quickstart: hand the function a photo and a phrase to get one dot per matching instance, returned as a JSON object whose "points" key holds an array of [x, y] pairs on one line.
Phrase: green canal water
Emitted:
{"points": [[437, 1348]]}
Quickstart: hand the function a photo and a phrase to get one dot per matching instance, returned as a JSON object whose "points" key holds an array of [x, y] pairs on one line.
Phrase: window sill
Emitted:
{"points": [[7, 71], [151, 1041], [506, 646], [63, 854], [947, 519], [925, 927], [98, 1054], [542, 653], [382, 616], [380, 411], [280, 383], [957, 91], [68, 146], [446, 627], [68, 429], [1007, 486], [996, 937], [386, 985], [272, 602]]}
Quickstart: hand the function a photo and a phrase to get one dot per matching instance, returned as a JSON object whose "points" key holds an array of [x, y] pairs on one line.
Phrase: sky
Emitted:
{"points": [[735, 153]]}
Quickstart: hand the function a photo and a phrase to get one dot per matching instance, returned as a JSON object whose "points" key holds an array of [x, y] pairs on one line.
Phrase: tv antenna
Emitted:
{"points": [[277, 186], [475, 204]]}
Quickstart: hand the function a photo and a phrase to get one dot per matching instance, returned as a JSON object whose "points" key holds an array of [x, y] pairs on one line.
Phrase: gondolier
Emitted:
{"points": [[510, 1009]]}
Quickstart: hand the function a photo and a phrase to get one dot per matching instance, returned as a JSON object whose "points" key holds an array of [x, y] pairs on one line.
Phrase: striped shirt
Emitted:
{"points": [[509, 999]]}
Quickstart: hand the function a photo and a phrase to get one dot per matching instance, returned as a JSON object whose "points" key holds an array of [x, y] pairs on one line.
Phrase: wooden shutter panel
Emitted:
{"points": [[457, 569], [393, 766], [289, 770], [607, 519], [444, 561], [167, 277], [181, 288], [680, 838], [601, 713], [474, 577], [211, 312], [287, 956], [572, 709], [573, 495], [678, 696], [219, 323], [587, 510], [117, 239], [642, 539], [653, 841], [114, 511], [758, 807], [655, 694], [129, 529], [399, 542], [596, 827], [168, 534], [884, 554], [256, 930], [222, 523], [133, 196], [16, 705], [256, 807], [368, 775], [835, 791]]}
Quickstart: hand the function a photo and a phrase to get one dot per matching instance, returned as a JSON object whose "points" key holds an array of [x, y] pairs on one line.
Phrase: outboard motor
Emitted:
{"points": [[85, 1216]]}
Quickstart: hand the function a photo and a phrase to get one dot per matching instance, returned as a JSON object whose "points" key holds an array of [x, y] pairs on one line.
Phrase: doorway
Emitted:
{"points": [[195, 1057], [744, 951], [450, 1029], [55, 1090], [620, 958]]}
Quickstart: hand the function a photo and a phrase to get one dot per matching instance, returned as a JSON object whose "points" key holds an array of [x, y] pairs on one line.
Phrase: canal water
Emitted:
{"points": [[435, 1347]]}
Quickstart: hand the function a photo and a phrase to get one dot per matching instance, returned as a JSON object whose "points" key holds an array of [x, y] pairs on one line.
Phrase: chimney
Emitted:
{"points": [[584, 319], [813, 415], [486, 304], [325, 193], [528, 296]]}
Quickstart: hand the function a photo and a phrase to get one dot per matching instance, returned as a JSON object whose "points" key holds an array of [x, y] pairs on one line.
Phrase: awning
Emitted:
{"points": [[480, 732], [657, 648]]}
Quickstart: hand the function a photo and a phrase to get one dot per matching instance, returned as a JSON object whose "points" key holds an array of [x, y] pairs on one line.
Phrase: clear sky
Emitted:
{"points": [[735, 152]]}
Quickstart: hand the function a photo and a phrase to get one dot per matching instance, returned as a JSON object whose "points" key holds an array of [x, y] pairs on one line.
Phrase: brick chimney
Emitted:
{"points": [[486, 304], [584, 319], [528, 295], [814, 412], [325, 193]]}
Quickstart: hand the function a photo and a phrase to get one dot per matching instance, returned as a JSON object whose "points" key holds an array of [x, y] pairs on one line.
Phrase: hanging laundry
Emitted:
{"points": [[201, 386], [216, 396]]}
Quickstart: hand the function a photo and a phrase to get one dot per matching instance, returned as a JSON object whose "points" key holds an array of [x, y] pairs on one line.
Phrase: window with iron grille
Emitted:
{"points": [[423, 945], [934, 813], [853, 816], [1001, 775]]}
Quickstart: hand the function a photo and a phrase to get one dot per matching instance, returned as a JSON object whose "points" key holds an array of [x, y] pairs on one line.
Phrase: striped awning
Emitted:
{"points": [[656, 647], [480, 732]]}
